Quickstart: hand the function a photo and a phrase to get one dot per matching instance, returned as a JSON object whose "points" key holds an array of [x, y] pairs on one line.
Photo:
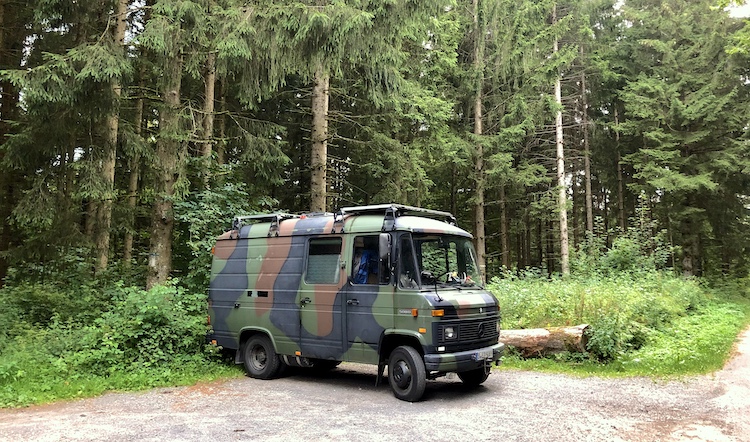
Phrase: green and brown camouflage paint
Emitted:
{"points": [[258, 285]]}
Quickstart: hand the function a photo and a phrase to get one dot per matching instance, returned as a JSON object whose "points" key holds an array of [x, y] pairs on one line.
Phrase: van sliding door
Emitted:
{"points": [[321, 332]]}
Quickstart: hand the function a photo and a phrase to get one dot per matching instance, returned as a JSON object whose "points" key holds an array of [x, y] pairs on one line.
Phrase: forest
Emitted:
{"points": [[590, 137], [132, 130]]}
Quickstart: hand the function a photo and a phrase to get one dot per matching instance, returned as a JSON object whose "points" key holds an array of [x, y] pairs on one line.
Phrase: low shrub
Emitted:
{"points": [[623, 310], [697, 343], [145, 338]]}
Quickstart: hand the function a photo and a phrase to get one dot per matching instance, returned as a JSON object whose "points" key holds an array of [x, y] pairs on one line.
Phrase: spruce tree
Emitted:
{"points": [[685, 104]]}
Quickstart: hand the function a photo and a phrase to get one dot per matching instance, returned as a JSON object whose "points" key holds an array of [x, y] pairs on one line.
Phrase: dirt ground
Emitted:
{"points": [[345, 404]]}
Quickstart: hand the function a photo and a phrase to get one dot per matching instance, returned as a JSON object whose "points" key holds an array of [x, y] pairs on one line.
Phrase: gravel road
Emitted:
{"points": [[346, 405]]}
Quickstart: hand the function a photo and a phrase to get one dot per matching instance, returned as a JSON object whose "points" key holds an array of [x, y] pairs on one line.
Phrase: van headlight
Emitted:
{"points": [[449, 333]]}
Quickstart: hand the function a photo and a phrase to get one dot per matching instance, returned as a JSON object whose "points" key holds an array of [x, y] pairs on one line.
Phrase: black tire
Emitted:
{"points": [[407, 374], [475, 377], [260, 358]]}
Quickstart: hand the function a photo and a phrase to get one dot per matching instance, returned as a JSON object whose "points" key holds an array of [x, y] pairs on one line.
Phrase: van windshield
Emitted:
{"points": [[446, 261]]}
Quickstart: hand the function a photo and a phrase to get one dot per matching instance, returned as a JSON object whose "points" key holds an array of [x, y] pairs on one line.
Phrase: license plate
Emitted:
{"points": [[483, 355]]}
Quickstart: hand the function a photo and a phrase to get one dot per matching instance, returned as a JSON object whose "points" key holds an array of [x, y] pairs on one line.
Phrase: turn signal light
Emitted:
{"points": [[439, 312], [415, 312]]}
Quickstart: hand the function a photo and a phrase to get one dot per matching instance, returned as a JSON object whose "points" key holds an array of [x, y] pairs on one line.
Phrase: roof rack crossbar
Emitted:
{"points": [[393, 211], [273, 218]]}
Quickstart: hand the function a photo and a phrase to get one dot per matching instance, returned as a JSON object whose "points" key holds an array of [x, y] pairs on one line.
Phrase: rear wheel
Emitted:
{"points": [[259, 358], [407, 374], [475, 377]]}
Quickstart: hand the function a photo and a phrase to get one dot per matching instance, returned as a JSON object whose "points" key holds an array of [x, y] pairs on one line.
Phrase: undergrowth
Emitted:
{"points": [[62, 349], [645, 323]]}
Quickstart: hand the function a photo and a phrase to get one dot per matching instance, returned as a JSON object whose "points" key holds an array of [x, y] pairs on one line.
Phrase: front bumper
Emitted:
{"points": [[464, 360]]}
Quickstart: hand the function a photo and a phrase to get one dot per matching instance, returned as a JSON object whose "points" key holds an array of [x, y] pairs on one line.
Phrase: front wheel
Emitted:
{"points": [[407, 374], [475, 377], [260, 358]]}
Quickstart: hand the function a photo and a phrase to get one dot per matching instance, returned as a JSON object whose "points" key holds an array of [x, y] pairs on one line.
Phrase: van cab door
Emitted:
{"points": [[320, 302], [369, 299]]}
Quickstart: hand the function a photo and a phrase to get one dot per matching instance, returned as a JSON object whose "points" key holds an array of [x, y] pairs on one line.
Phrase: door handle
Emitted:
{"points": [[304, 301], [353, 302]]}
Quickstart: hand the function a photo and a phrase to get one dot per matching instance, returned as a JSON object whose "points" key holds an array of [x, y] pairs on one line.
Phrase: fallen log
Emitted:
{"points": [[546, 341]]}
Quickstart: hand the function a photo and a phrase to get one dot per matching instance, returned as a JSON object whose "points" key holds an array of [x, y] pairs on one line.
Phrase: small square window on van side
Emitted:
{"points": [[323, 261]]}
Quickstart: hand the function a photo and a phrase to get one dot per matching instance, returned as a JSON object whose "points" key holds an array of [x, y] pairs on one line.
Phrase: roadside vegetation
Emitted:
{"points": [[67, 339], [65, 334], [644, 319]]}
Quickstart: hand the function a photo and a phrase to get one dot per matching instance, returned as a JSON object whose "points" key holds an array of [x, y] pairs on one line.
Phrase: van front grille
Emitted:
{"points": [[469, 331]]}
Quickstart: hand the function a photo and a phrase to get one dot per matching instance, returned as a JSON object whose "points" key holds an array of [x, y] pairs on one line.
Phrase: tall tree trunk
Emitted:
{"points": [[135, 169], [540, 243], [479, 180], [208, 114], [167, 171], [222, 124], [454, 189], [620, 186], [549, 254], [107, 171], [7, 106], [586, 154], [504, 248], [575, 208], [319, 154], [562, 189], [689, 249]]}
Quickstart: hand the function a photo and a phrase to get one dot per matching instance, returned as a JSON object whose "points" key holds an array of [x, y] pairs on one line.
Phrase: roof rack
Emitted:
{"points": [[274, 218], [391, 211]]}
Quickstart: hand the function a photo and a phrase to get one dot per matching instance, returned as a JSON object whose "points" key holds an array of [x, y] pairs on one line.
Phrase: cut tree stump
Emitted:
{"points": [[546, 341]]}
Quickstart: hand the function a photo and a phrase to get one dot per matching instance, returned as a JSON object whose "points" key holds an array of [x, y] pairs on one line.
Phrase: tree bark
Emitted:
{"points": [[9, 59], [6, 107], [549, 255], [208, 114], [222, 124], [586, 154], [107, 171], [319, 154], [135, 169], [546, 341], [690, 247], [620, 186], [479, 179], [562, 188], [504, 247], [167, 172]]}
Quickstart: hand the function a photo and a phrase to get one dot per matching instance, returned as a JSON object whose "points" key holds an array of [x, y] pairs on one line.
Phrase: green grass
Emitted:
{"points": [[25, 383], [144, 339], [37, 368], [648, 325]]}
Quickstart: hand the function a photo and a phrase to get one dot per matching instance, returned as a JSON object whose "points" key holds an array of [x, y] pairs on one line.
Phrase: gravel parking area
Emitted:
{"points": [[345, 404]]}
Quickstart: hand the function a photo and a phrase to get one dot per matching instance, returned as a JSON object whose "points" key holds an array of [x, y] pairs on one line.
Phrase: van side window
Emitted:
{"points": [[323, 258], [407, 277], [366, 260]]}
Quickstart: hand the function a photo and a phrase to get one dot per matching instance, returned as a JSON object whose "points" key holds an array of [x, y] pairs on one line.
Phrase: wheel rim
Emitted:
{"points": [[402, 374], [258, 357]]}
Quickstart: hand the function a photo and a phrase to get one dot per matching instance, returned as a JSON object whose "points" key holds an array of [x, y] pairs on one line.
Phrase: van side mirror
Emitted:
{"points": [[385, 247]]}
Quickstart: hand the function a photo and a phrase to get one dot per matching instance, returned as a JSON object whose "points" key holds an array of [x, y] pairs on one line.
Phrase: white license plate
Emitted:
{"points": [[483, 355]]}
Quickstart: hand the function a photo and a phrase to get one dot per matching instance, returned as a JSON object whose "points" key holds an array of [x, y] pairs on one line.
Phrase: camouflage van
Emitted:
{"points": [[390, 285]]}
